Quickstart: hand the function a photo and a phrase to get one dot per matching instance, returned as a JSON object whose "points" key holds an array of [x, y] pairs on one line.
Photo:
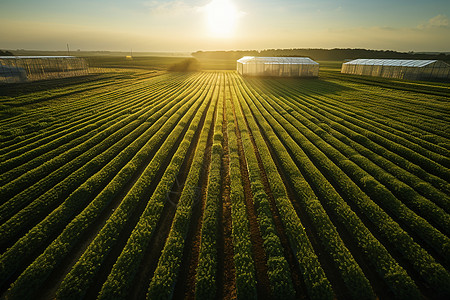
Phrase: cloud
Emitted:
{"points": [[439, 21], [179, 7], [205, 8], [170, 8]]}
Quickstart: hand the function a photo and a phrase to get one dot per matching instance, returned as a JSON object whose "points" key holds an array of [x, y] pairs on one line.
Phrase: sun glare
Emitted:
{"points": [[221, 17]]}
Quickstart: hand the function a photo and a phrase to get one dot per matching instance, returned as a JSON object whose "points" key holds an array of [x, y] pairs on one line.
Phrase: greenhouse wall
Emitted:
{"points": [[31, 68], [278, 66], [399, 68]]}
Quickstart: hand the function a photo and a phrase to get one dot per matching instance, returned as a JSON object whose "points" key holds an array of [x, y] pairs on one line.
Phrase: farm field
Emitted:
{"points": [[147, 184]]}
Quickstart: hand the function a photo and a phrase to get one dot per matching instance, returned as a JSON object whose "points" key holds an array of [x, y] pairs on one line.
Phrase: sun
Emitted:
{"points": [[221, 18]]}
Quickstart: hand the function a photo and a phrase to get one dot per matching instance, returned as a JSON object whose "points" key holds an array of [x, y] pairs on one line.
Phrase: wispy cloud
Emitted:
{"points": [[170, 8], [439, 21], [179, 7]]}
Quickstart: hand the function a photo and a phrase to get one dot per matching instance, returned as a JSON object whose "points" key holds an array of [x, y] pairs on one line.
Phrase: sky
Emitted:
{"points": [[185, 26]]}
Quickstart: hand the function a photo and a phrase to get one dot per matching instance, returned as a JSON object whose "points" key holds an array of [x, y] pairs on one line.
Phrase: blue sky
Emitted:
{"points": [[180, 25]]}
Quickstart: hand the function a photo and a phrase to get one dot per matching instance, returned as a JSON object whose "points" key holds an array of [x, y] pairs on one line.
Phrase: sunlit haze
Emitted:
{"points": [[191, 25], [221, 18]]}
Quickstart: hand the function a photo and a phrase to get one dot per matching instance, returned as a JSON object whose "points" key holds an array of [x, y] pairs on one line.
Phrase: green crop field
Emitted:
{"points": [[142, 184]]}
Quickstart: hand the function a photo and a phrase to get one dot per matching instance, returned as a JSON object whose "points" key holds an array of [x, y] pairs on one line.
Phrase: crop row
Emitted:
{"points": [[380, 193], [355, 134], [426, 159], [421, 260], [40, 207], [81, 276], [316, 281], [95, 109], [63, 136], [53, 117], [346, 217], [58, 219], [206, 284], [166, 274], [120, 279], [66, 111], [243, 256], [103, 199], [278, 268], [375, 102]]}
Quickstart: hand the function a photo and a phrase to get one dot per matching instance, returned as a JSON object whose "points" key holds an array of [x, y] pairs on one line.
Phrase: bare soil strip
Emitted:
{"points": [[259, 254], [226, 277], [299, 285], [185, 286], [325, 260]]}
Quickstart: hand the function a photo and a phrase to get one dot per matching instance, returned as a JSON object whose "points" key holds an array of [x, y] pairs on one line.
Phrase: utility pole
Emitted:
{"points": [[68, 51]]}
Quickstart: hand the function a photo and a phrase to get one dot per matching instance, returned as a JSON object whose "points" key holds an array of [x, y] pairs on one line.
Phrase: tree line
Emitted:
{"points": [[321, 54], [6, 53]]}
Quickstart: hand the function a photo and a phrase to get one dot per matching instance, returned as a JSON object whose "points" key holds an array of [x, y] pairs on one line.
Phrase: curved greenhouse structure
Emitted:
{"points": [[278, 66], [399, 68], [30, 68]]}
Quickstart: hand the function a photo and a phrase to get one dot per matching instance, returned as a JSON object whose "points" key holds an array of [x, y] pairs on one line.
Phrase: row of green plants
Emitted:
{"points": [[278, 268], [345, 179], [47, 193], [372, 109], [44, 232], [434, 192], [341, 153], [206, 284], [18, 102], [384, 138], [50, 192], [317, 284], [332, 122], [358, 287], [424, 188], [27, 158], [404, 107], [82, 274], [70, 112], [397, 129], [427, 159], [85, 98], [244, 265], [65, 185], [420, 259], [421, 205], [32, 184], [121, 278], [165, 276]]}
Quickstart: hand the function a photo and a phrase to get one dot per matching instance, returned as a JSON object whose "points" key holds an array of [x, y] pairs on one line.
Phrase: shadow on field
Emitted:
{"points": [[308, 86], [22, 88]]}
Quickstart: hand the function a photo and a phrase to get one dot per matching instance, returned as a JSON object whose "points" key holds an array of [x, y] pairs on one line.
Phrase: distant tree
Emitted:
{"points": [[186, 65], [6, 53]]}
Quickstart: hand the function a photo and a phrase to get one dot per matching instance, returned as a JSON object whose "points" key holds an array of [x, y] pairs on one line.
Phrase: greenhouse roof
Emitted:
{"points": [[392, 62], [32, 57], [277, 60]]}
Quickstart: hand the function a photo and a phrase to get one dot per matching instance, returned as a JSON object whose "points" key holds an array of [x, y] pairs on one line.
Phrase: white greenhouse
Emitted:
{"points": [[278, 66], [30, 68], [399, 68]]}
